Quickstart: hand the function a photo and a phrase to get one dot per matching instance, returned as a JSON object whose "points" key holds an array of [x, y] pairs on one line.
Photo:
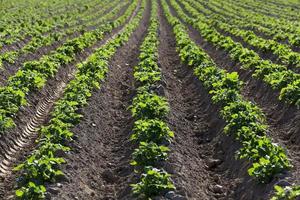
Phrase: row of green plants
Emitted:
{"points": [[73, 26], [244, 120], [34, 74], [284, 52], [271, 28], [286, 3], [46, 26], [286, 193], [277, 76], [268, 9], [38, 41], [282, 24], [42, 166], [28, 14], [14, 29], [150, 130]]}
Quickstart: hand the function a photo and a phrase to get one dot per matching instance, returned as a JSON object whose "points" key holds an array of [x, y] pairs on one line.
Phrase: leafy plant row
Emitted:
{"points": [[246, 20], [42, 166], [287, 193], [34, 74], [285, 54], [244, 120], [282, 23], [150, 130], [265, 8], [277, 76], [38, 41], [15, 29]]}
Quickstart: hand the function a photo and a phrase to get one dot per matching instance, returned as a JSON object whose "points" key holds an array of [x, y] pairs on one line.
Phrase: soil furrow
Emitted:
{"points": [[10, 69], [257, 32], [22, 42], [16, 141], [254, 89], [265, 55], [283, 121], [99, 166], [196, 125]]}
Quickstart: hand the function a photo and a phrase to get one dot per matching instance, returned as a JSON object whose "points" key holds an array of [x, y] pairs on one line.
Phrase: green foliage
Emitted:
{"points": [[148, 105], [31, 191], [149, 154], [150, 110], [244, 120], [155, 130], [34, 74], [279, 77], [153, 182], [291, 93], [43, 165], [287, 193]]}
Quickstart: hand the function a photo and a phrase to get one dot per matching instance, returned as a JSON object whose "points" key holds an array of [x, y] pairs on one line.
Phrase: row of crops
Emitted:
{"points": [[82, 37]]}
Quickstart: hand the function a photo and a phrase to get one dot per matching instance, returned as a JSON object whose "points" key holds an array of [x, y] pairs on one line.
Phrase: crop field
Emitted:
{"points": [[150, 99]]}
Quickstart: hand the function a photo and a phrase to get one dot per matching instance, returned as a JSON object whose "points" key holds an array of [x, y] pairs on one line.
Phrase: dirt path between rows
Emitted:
{"points": [[26, 114], [195, 158], [99, 168], [10, 69], [283, 121]]}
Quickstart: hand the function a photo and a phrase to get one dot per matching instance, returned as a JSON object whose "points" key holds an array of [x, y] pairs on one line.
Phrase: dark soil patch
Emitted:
{"points": [[63, 75], [283, 121], [195, 160], [254, 89], [99, 168]]}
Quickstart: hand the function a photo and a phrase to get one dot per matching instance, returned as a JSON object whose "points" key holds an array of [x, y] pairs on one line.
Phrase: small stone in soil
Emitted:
{"points": [[93, 185], [59, 185], [173, 196], [213, 163], [53, 190], [217, 189]]}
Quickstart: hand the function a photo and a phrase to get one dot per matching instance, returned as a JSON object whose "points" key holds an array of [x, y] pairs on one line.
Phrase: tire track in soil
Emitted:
{"points": [[283, 121], [10, 69], [98, 167], [29, 132], [16, 142], [193, 161]]}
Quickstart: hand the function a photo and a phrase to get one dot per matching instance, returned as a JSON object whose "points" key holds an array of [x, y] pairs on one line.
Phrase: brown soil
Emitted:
{"points": [[10, 69], [283, 121], [99, 168], [63, 75], [196, 125], [258, 33], [265, 55], [201, 161], [23, 42]]}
